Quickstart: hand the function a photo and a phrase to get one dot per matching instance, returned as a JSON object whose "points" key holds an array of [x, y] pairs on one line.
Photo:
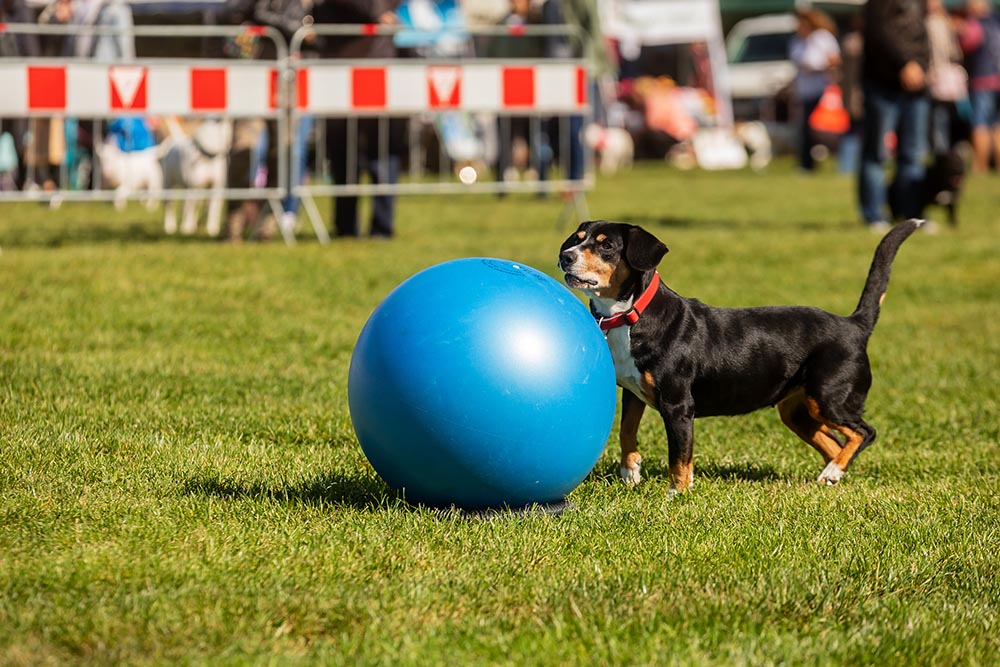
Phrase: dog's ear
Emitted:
{"points": [[643, 251]]}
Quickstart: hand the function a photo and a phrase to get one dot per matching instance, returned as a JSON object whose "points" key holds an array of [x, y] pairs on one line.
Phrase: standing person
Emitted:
{"points": [[379, 142], [16, 46], [894, 78], [980, 41], [852, 47], [289, 16], [816, 55], [946, 78]]}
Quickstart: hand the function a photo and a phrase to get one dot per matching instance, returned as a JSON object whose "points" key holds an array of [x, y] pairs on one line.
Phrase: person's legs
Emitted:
{"points": [[881, 113], [806, 161], [911, 152], [940, 127], [300, 152], [384, 170], [386, 143], [980, 100], [345, 209]]}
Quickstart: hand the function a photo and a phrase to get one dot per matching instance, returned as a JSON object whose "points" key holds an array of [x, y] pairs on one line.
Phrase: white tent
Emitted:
{"points": [[637, 23]]}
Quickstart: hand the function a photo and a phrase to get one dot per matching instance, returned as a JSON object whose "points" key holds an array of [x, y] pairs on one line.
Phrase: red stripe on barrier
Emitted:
{"points": [[518, 87], [272, 89], [255, 30], [515, 30], [208, 89], [368, 88], [581, 86], [47, 88], [369, 29], [302, 88]]}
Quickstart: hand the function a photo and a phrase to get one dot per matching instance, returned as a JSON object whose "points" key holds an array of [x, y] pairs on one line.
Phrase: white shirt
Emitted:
{"points": [[812, 58]]}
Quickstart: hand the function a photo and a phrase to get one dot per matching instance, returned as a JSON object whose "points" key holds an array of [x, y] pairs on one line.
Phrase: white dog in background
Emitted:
{"points": [[757, 140], [197, 161], [613, 145], [131, 172]]}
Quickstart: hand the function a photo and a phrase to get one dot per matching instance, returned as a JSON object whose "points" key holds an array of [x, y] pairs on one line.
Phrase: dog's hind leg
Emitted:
{"points": [[631, 462], [857, 433], [818, 435], [858, 437]]}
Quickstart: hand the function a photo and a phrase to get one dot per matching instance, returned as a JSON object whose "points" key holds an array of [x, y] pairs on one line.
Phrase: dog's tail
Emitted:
{"points": [[868, 308]]}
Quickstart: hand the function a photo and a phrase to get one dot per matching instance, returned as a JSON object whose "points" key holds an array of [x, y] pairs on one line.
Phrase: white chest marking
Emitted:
{"points": [[626, 372]]}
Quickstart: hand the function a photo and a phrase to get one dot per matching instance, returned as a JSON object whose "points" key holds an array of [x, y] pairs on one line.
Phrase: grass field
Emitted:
{"points": [[180, 482]]}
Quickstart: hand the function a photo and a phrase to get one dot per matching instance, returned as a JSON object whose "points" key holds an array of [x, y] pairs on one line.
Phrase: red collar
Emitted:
{"points": [[631, 316]]}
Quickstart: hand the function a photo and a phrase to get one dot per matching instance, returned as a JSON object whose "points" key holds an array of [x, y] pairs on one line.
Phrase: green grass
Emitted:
{"points": [[180, 483]]}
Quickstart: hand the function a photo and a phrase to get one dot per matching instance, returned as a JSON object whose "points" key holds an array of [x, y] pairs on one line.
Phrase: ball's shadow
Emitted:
{"points": [[361, 492], [357, 491]]}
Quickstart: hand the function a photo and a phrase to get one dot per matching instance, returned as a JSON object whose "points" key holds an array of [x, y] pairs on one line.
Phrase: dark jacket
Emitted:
{"points": [[895, 33], [354, 11]]}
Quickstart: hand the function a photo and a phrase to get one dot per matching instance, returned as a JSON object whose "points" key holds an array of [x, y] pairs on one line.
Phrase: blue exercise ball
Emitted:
{"points": [[482, 383]]}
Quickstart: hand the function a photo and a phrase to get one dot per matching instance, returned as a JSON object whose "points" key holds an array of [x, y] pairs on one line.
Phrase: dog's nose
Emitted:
{"points": [[567, 257]]}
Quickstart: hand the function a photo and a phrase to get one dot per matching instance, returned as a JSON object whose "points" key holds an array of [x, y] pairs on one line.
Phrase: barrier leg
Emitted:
{"points": [[315, 219], [287, 232]]}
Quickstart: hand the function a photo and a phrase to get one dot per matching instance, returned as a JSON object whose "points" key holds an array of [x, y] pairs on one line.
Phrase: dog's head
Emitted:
{"points": [[604, 258]]}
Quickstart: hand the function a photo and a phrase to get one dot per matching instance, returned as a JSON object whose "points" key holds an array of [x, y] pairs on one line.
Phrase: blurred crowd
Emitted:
{"points": [[907, 81]]}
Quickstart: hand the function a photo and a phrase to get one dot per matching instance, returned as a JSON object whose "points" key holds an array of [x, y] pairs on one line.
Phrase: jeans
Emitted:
{"points": [[300, 153], [941, 127], [909, 116]]}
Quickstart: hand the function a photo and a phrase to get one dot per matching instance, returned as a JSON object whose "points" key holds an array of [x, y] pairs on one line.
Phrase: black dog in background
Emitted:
{"points": [[941, 186]]}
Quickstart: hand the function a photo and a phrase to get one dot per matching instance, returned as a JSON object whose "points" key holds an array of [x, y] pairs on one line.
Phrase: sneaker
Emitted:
{"points": [[879, 226]]}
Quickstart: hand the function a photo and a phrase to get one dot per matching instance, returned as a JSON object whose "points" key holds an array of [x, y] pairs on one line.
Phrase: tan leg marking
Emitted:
{"points": [[796, 416], [628, 435], [835, 468], [648, 387], [682, 476]]}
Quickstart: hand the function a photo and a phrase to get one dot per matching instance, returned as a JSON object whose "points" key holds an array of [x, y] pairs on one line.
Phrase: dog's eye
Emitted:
{"points": [[606, 244]]}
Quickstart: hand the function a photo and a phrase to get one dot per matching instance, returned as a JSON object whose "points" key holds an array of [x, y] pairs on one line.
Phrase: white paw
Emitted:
{"points": [[831, 474], [630, 474]]}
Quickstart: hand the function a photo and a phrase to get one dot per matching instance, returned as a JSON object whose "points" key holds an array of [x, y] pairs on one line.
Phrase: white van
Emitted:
{"points": [[759, 67]]}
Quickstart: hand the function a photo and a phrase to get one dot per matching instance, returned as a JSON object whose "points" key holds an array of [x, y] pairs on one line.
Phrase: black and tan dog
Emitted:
{"points": [[687, 360]]}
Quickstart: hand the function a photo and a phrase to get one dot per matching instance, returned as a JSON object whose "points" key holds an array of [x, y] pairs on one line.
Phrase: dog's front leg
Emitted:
{"points": [[679, 423], [631, 463]]}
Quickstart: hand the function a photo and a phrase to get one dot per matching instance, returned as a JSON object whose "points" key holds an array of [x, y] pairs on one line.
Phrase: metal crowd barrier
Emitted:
{"points": [[468, 103], [461, 110], [89, 90]]}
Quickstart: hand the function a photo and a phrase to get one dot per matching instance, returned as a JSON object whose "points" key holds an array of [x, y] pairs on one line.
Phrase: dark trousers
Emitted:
{"points": [[372, 145], [806, 134]]}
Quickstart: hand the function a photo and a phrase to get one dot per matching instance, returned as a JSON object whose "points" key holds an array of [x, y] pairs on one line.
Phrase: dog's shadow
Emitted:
{"points": [[725, 472], [356, 491]]}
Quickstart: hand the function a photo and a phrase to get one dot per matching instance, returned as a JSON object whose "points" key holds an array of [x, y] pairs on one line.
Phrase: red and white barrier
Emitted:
{"points": [[335, 89], [92, 89], [96, 90]]}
